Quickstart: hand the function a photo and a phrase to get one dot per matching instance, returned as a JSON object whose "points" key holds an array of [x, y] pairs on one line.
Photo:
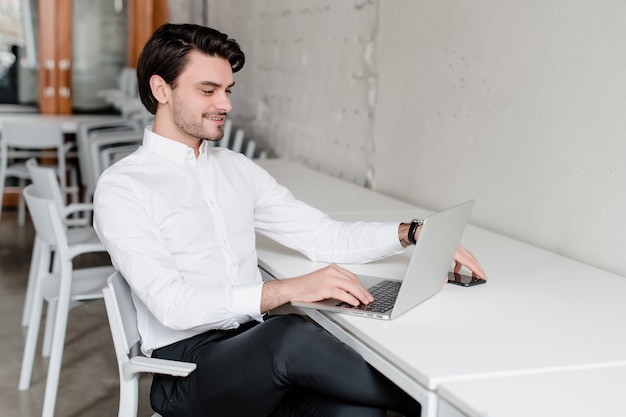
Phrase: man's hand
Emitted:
{"points": [[329, 282], [463, 257]]}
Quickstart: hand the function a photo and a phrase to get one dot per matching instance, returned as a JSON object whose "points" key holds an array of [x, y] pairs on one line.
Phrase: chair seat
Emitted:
{"points": [[87, 283]]}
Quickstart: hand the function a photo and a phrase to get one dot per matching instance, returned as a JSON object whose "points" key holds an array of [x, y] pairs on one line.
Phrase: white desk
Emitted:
{"points": [[329, 194], [539, 312], [580, 393], [69, 122]]}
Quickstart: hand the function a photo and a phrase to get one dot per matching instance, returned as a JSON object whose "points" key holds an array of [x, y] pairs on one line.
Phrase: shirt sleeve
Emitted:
{"points": [[283, 218]]}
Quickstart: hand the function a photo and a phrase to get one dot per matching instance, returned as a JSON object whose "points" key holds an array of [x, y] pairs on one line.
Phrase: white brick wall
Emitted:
{"points": [[308, 88]]}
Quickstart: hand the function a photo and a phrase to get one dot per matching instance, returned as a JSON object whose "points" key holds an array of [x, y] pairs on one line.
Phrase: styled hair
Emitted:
{"points": [[166, 55]]}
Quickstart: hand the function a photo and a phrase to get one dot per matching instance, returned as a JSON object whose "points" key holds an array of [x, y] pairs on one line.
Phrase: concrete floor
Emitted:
{"points": [[89, 379]]}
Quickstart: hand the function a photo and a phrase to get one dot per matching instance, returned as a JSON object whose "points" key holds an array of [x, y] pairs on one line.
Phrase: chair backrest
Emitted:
{"points": [[32, 135], [46, 182], [228, 131], [237, 143], [109, 156], [105, 140], [46, 219], [122, 316], [39, 135], [85, 132], [123, 323]]}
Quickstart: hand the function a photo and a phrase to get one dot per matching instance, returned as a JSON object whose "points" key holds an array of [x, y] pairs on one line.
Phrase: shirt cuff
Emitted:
{"points": [[247, 300], [387, 235]]}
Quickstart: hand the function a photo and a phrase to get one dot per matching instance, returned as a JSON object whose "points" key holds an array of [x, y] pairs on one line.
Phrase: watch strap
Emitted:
{"points": [[415, 223]]}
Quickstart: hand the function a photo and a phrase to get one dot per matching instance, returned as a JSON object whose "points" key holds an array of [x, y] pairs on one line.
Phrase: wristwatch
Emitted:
{"points": [[415, 223]]}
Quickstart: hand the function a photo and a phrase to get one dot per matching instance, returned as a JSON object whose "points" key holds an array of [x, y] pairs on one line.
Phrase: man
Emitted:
{"points": [[179, 217]]}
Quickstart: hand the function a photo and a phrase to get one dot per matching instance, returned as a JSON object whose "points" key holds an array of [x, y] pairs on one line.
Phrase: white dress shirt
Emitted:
{"points": [[182, 232]]}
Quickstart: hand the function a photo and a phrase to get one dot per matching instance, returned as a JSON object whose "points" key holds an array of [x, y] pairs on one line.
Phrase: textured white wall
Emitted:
{"points": [[519, 104], [307, 88]]}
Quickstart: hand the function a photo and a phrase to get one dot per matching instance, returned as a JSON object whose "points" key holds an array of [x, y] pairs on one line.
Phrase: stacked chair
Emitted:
{"points": [[101, 143], [236, 140]]}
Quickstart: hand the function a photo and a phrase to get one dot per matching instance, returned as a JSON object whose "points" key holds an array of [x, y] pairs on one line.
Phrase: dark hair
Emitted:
{"points": [[165, 55]]}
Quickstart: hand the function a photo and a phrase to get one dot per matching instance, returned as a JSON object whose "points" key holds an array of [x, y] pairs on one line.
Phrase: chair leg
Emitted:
{"points": [[51, 314], [32, 280], [73, 188], [46, 346], [31, 337], [1, 197], [58, 342], [21, 206], [129, 396], [50, 318]]}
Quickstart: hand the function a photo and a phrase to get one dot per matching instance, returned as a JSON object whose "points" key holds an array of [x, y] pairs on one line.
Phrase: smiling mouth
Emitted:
{"points": [[216, 118]]}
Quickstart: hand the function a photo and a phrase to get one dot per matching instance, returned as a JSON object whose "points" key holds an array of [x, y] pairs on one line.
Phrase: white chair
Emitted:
{"points": [[18, 143], [140, 114], [111, 141], [48, 183], [113, 154], [236, 140], [123, 322], [252, 152], [80, 233], [126, 88], [233, 136], [237, 143], [228, 129], [63, 289], [91, 137]]}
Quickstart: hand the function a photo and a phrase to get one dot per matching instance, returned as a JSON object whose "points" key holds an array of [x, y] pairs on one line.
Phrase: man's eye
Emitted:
{"points": [[229, 92], [207, 91]]}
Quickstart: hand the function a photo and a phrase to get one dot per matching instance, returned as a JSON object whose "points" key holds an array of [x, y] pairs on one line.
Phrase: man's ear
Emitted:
{"points": [[160, 89]]}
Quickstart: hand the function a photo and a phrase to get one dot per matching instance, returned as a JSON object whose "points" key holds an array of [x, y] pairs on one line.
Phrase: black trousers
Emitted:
{"points": [[285, 366]]}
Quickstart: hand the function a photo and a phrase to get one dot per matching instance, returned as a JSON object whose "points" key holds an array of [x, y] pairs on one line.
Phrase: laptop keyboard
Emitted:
{"points": [[384, 293]]}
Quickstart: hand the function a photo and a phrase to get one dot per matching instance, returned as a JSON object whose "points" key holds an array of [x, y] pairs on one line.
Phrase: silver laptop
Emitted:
{"points": [[427, 271]]}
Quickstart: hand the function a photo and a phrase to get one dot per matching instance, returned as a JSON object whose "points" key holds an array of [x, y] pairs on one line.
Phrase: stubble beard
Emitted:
{"points": [[197, 130]]}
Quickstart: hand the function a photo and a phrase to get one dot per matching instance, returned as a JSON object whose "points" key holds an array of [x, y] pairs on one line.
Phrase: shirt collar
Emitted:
{"points": [[170, 149]]}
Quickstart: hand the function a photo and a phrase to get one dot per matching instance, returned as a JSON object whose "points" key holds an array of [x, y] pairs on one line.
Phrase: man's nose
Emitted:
{"points": [[224, 103]]}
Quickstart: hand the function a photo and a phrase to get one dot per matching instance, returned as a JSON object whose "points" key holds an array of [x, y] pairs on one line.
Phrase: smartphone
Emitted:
{"points": [[464, 280]]}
